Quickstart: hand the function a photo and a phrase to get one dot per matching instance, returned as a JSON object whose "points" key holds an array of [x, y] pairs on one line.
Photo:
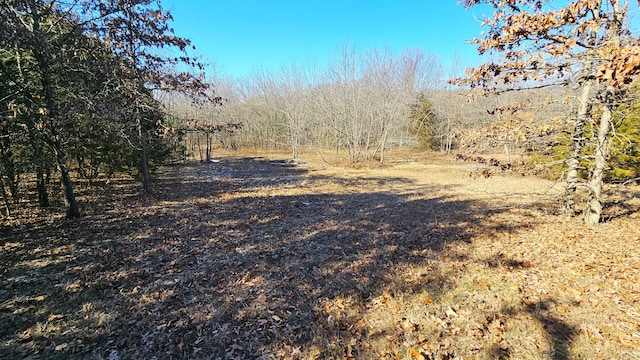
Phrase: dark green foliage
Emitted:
{"points": [[423, 124], [73, 103], [624, 157], [625, 146]]}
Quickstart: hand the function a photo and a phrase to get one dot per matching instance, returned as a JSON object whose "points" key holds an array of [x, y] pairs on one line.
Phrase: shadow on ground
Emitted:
{"points": [[218, 266]]}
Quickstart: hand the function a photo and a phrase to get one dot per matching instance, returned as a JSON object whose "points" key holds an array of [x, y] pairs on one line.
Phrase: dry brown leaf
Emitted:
{"points": [[54, 317], [416, 355]]}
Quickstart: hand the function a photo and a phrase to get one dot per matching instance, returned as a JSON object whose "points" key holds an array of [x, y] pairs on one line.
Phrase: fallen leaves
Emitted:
{"points": [[416, 354], [54, 317], [451, 313], [241, 268]]}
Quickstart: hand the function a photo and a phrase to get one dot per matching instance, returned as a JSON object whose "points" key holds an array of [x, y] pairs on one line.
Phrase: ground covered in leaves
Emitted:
{"points": [[257, 257]]}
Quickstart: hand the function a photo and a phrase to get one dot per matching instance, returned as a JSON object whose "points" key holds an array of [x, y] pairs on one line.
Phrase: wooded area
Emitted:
{"points": [[396, 206], [77, 85], [87, 93]]}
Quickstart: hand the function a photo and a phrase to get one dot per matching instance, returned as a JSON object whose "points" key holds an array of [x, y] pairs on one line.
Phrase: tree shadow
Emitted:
{"points": [[195, 274], [501, 261], [561, 334], [182, 182]]}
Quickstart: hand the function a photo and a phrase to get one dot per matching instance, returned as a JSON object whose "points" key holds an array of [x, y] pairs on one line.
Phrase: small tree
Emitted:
{"points": [[423, 124], [134, 30]]}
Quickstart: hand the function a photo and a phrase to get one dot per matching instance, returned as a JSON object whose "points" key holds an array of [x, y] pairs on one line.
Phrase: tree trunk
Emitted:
{"points": [[9, 169], [209, 146], [5, 197], [577, 140], [41, 185], [70, 199], [43, 195], [54, 137], [507, 153], [144, 170], [36, 142], [383, 142], [593, 211]]}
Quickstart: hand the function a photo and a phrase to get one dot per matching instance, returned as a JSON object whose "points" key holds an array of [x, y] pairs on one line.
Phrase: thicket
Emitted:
{"points": [[77, 99]]}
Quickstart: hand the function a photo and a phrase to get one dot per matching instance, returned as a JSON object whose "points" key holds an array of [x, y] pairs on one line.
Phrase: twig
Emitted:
{"points": [[629, 181]]}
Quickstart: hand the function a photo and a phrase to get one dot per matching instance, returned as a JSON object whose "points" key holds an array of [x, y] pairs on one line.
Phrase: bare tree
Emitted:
{"points": [[358, 104], [296, 85]]}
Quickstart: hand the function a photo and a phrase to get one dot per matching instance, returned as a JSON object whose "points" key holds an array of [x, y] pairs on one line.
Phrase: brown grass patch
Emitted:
{"points": [[257, 257]]}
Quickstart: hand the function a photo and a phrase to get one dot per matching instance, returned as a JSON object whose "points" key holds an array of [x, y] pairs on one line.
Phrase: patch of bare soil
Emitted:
{"points": [[264, 258]]}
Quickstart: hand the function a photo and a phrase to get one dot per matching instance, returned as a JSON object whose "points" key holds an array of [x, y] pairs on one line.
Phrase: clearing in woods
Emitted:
{"points": [[256, 257]]}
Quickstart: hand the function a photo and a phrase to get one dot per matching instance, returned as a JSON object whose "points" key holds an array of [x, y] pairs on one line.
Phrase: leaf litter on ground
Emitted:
{"points": [[247, 258]]}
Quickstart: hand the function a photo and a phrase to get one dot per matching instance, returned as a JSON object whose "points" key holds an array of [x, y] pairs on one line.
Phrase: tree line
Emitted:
{"points": [[358, 104], [84, 86], [77, 82], [584, 54]]}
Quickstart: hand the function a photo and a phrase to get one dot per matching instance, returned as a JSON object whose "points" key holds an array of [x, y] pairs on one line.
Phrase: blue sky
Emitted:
{"points": [[246, 35]]}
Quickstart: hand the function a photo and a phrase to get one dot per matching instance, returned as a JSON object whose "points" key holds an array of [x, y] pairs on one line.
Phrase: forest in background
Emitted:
{"points": [[97, 88], [389, 101]]}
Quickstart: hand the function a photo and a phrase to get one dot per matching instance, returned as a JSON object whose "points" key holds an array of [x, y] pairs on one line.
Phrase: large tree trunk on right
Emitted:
{"points": [[593, 211], [578, 142]]}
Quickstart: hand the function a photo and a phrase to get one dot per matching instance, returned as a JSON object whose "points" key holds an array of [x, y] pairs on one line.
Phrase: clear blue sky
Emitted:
{"points": [[244, 35]]}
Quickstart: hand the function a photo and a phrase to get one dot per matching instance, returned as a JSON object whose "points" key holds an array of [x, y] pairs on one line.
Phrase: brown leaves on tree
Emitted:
{"points": [[135, 30], [537, 41], [574, 44], [195, 125], [622, 65]]}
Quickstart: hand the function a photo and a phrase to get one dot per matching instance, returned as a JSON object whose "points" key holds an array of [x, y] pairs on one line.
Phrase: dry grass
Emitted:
{"points": [[255, 257]]}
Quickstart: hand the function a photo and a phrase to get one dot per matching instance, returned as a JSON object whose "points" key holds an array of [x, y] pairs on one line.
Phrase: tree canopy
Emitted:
{"points": [[585, 43], [76, 88]]}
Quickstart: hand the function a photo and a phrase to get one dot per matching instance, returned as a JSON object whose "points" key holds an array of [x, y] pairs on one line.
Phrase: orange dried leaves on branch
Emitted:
{"points": [[195, 125], [622, 65], [538, 41]]}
